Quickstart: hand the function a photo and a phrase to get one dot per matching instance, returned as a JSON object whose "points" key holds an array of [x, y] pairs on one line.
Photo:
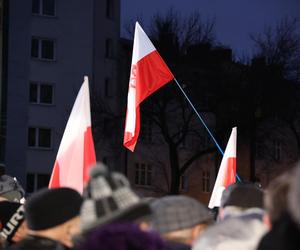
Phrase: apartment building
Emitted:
{"points": [[51, 45]]}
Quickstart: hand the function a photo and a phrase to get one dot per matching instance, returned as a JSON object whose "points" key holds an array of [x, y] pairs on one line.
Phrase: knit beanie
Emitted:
{"points": [[109, 198], [244, 195], [48, 208], [10, 188], [11, 217]]}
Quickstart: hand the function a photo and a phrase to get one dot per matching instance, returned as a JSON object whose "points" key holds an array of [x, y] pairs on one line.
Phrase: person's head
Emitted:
{"points": [[125, 236], [108, 198], [238, 232], [54, 214], [13, 227], [239, 197], [10, 189], [180, 218], [275, 198], [294, 196]]}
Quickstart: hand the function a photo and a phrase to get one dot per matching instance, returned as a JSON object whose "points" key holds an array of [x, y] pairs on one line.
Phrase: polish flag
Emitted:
{"points": [[76, 153], [227, 171], [148, 73]]}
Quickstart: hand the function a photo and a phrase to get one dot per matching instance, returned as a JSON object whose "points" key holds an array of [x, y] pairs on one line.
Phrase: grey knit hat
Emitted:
{"points": [[109, 198], [172, 213]]}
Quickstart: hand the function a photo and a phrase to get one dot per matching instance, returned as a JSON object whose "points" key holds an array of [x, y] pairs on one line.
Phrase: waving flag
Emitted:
{"points": [[76, 152], [227, 171], [148, 73]]}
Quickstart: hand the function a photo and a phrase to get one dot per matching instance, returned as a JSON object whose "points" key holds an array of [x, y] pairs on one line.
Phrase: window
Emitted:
{"points": [[36, 181], [42, 48], [108, 88], [110, 9], [39, 137], [277, 150], [109, 52], [146, 131], [143, 174], [206, 181], [43, 7], [40, 93]]}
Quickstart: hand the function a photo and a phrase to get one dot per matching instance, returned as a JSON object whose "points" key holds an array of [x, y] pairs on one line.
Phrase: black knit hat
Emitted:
{"points": [[11, 217], [48, 208], [109, 198], [245, 195]]}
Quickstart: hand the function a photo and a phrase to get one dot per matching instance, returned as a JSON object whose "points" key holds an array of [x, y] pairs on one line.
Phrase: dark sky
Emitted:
{"points": [[235, 19]]}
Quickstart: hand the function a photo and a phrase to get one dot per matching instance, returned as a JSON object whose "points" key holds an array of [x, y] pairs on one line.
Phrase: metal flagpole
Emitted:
{"points": [[199, 116]]}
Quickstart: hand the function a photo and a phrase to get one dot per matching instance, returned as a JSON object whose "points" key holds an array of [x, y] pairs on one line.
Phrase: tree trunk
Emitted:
{"points": [[174, 167]]}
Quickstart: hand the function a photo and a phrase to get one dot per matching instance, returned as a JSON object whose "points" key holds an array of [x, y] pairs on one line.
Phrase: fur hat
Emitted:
{"points": [[48, 208], [122, 237], [109, 198]]}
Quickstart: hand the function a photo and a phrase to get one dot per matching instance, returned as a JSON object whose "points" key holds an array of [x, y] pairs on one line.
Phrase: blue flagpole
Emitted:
{"points": [[202, 121]]}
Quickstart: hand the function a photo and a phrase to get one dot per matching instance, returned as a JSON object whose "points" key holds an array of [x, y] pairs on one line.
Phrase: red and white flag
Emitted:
{"points": [[76, 153], [148, 73], [227, 171]]}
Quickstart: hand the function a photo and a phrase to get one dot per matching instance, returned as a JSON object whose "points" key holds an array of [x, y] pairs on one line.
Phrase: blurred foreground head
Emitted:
{"points": [[180, 218], [54, 213], [126, 236], [10, 189], [294, 196], [108, 198], [239, 197]]}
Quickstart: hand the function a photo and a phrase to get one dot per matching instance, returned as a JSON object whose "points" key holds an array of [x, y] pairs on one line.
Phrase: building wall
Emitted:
{"points": [[79, 31]]}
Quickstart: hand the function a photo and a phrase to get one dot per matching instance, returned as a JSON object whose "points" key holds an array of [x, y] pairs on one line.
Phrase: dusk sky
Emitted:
{"points": [[235, 19]]}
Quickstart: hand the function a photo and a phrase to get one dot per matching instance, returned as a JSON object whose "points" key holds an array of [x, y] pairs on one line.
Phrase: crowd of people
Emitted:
{"points": [[111, 216]]}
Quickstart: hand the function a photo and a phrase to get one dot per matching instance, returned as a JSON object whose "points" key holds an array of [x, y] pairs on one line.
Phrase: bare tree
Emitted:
{"points": [[280, 45]]}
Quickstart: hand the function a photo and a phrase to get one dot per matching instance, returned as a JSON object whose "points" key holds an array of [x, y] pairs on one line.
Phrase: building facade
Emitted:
{"points": [[52, 46]]}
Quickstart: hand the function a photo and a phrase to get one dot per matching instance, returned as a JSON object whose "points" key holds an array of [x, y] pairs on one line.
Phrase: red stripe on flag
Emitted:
{"points": [[89, 158], [130, 140], [152, 73], [230, 173]]}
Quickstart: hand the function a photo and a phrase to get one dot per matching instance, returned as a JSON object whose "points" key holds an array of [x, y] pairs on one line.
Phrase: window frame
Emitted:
{"points": [[37, 138], [146, 174], [36, 180], [38, 93], [39, 49], [40, 11]]}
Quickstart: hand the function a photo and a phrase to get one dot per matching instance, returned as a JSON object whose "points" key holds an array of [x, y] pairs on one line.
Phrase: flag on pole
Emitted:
{"points": [[76, 153], [148, 73], [227, 171]]}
